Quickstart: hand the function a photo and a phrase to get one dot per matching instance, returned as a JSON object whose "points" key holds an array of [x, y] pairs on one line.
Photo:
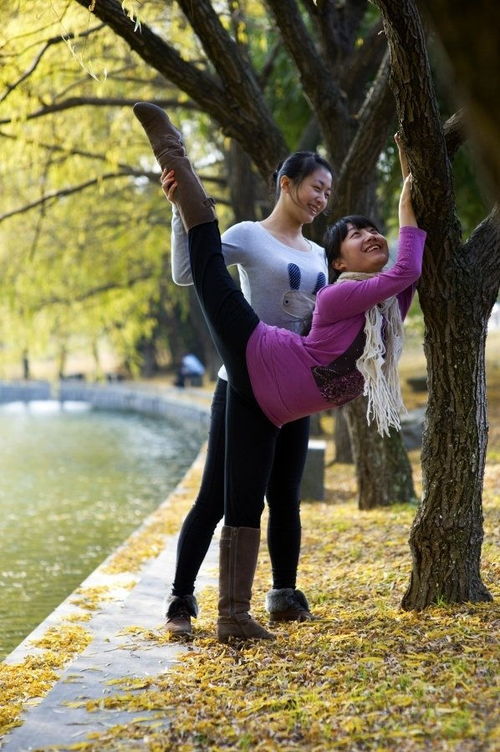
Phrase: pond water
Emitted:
{"points": [[74, 483]]}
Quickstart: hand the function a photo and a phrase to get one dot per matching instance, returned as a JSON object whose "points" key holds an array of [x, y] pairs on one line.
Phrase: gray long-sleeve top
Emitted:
{"points": [[278, 281]]}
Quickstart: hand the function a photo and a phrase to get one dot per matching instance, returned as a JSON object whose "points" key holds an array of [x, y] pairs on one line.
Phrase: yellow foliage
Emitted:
{"points": [[363, 676], [22, 683]]}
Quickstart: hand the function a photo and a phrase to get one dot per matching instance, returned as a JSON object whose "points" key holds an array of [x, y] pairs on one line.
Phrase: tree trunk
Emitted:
{"points": [[210, 357], [61, 361], [146, 348], [342, 438], [447, 533], [383, 470], [241, 179], [458, 287], [26, 366]]}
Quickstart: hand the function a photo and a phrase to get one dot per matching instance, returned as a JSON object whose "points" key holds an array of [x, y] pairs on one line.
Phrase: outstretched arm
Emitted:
{"points": [[406, 214]]}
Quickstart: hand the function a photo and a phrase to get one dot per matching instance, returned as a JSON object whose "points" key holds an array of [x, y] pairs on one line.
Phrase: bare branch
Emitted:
{"points": [[95, 291], [126, 172], [73, 102], [241, 115], [374, 121], [48, 44], [326, 98], [55, 195]]}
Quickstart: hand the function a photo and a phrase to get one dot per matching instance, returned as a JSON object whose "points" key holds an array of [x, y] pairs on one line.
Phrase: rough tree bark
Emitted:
{"points": [[343, 448], [458, 287], [390, 466]]}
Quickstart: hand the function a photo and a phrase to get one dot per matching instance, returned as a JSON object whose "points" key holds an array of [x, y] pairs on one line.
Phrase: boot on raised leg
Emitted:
{"points": [[195, 207], [239, 548]]}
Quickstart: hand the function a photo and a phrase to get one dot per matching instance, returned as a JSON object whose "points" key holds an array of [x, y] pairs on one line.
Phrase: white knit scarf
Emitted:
{"points": [[378, 363]]}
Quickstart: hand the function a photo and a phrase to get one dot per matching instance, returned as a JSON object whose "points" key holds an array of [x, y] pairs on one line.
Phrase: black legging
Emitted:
{"points": [[283, 498], [250, 436]]}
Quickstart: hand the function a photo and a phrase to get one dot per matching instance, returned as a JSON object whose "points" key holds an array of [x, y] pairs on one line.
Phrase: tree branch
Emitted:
{"points": [[419, 120], [241, 116], [125, 172], [73, 102], [337, 25], [48, 44], [454, 133], [374, 121], [92, 292], [328, 101], [54, 195], [363, 64], [325, 15], [482, 251]]}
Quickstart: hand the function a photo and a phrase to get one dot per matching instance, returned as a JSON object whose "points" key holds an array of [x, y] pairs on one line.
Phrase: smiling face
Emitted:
{"points": [[310, 197], [362, 250]]}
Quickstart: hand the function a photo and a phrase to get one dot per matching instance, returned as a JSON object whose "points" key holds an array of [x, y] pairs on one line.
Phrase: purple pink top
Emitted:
{"points": [[291, 376]]}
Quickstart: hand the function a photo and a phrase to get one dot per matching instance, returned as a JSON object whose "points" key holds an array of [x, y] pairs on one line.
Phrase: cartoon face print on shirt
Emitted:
{"points": [[296, 302]]}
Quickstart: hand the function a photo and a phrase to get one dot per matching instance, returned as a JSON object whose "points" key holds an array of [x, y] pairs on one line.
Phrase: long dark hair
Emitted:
{"points": [[336, 233], [298, 166]]}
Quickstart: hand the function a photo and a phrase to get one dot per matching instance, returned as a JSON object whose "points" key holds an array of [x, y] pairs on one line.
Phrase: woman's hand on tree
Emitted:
{"points": [[403, 161], [406, 213]]}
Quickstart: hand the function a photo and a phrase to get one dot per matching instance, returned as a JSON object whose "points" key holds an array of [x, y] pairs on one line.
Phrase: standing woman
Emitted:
{"points": [[280, 273]]}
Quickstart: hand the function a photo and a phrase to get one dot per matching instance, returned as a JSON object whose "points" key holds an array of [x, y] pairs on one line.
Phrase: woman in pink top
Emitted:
{"points": [[276, 376]]}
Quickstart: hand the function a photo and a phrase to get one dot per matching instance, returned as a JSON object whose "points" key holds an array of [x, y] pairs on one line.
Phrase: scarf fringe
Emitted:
{"points": [[378, 363]]}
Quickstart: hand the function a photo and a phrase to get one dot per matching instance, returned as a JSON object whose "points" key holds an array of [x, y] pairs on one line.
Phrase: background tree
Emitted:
{"points": [[340, 59], [233, 69], [84, 237]]}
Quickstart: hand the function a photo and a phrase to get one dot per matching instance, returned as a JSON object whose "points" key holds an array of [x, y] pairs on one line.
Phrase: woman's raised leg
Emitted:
{"points": [[231, 321], [194, 205]]}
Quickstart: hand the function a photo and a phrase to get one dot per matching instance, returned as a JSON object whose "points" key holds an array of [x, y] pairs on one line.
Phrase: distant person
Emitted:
{"points": [[191, 370]]}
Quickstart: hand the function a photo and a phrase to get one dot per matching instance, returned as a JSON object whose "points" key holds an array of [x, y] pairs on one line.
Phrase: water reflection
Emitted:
{"points": [[74, 483]]}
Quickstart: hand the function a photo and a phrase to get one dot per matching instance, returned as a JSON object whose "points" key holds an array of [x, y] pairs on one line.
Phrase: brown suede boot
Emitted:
{"points": [[195, 207], [239, 547]]}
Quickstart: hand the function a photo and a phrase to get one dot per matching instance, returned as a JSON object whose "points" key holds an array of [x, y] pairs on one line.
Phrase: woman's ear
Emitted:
{"points": [[338, 265], [285, 183]]}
